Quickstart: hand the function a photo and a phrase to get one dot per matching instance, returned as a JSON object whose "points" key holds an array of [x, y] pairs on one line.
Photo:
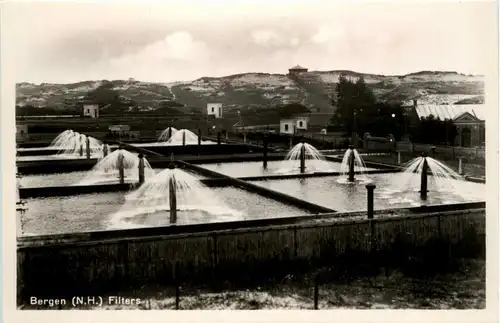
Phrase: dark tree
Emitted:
{"points": [[432, 130], [358, 110], [291, 109], [106, 96]]}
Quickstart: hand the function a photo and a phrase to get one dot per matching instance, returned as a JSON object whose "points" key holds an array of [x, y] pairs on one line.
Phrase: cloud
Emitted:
{"points": [[60, 42], [295, 41], [264, 37], [178, 46]]}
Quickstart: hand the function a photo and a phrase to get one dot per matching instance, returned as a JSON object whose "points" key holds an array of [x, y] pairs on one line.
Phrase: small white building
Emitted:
{"points": [[215, 109], [119, 129], [293, 125], [21, 132], [91, 110]]}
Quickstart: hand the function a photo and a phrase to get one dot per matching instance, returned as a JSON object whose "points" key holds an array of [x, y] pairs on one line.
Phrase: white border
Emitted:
{"points": [[10, 314]]}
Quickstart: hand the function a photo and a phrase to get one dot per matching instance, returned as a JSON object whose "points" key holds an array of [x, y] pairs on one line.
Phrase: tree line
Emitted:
{"points": [[359, 111]]}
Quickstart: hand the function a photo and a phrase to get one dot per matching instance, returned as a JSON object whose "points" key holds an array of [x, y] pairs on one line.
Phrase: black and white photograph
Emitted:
{"points": [[279, 155]]}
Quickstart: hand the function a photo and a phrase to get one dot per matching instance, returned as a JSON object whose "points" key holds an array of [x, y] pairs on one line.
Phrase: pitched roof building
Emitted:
{"points": [[468, 118]]}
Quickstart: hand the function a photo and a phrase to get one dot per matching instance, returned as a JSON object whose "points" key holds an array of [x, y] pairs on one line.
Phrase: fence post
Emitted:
{"points": [[316, 293], [141, 168], [439, 226], [264, 152], [87, 146], [199, 142], [460, 166], [177, 287], [370, 188], [295, 243]]}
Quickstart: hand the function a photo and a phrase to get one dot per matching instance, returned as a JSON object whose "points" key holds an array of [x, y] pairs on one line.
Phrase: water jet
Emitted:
{"points": [[175, 191], [352, 163], [119, 165], [70, 142], [183, 137], [167, 134]]}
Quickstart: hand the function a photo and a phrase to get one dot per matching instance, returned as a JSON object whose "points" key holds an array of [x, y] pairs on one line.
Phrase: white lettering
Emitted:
{"points": [[51, 302]]}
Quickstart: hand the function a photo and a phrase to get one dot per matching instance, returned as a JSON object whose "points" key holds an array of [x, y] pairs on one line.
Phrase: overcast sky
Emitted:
{"points": [[69, 42]]}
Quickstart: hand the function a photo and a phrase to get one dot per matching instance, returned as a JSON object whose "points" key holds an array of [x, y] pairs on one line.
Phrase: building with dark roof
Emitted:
{"points": [[296, 70]]}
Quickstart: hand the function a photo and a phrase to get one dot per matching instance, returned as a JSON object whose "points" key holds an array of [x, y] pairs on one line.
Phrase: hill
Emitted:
{"points": [[255, 91]]}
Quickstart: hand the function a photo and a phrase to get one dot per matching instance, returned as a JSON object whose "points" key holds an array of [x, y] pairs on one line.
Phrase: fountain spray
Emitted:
{"points": [[351, 163], [303, 157], [172, 192], [423, 178]]}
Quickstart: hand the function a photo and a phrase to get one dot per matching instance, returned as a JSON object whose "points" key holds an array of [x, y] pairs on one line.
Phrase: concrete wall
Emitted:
{"points": [[378, 143], [96, 267]]}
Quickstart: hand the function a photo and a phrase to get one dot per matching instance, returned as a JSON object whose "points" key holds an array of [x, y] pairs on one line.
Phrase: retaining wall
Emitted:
{"points": [[211, 149], [69, 165], [97, 267], [448, 151]]}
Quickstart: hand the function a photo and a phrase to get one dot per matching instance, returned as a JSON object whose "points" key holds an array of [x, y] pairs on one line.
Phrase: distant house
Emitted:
{"points": [[294, 125], [214, 109], [119, 130], [89, 109], [296, 70], [468, 118], [21, 132]]}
